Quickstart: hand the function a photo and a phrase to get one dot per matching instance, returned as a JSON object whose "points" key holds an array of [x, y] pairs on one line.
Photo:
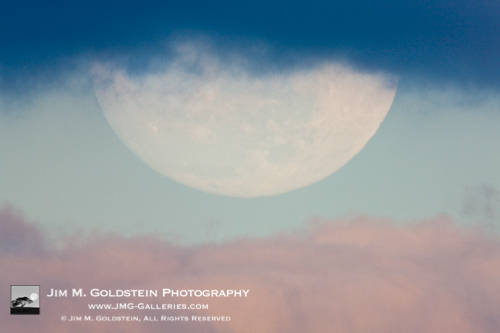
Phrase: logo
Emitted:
{"points": [[24, 300]]}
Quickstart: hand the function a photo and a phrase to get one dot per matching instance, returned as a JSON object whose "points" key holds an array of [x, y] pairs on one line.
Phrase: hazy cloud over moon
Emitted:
{"points": [[455, 40], [209, 123]]}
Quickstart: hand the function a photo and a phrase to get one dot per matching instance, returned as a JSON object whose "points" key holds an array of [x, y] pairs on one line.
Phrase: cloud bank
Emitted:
{"points": [[440, 38], [210, 123], [356, 275]]}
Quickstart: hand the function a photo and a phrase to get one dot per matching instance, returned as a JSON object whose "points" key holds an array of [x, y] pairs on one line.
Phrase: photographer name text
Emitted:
{"points": [[165, 292]]}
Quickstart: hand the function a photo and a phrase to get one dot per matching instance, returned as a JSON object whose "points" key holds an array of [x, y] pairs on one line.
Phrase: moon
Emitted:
{"points": [[33, 297], [219, 128]]}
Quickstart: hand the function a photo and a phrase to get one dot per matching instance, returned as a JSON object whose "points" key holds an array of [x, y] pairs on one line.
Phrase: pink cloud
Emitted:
{"points": [[353, 275], [17, 236]]}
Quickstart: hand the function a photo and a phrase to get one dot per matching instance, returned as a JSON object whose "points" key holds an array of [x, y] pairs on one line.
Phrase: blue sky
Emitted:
{"points": [[63, 165]]}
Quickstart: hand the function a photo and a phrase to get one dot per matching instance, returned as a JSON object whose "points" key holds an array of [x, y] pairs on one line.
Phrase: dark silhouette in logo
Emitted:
{"points": [[24, 300], [20, 302]]}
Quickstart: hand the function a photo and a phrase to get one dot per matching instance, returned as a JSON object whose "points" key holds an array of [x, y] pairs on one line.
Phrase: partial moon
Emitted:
{"points": [[34, 297], [218, 128]]}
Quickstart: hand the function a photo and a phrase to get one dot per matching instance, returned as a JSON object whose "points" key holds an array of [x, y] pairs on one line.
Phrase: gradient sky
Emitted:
{"points": [[403, 238], [64, 166]]}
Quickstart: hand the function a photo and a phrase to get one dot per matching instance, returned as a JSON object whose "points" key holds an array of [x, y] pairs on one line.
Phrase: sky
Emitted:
{"points": [[76, 180]]}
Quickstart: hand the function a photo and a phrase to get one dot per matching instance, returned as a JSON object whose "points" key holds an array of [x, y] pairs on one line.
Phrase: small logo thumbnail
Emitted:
{"points": [[24, 300]]}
